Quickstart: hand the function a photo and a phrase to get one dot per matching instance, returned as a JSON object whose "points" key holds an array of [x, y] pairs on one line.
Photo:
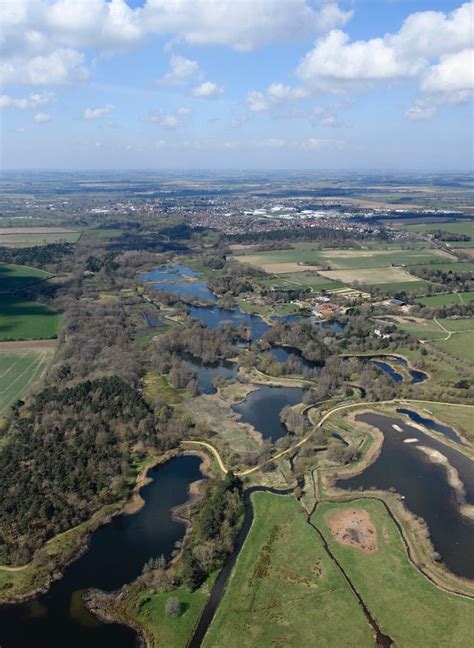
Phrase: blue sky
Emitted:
{"points": [[380, 84]]}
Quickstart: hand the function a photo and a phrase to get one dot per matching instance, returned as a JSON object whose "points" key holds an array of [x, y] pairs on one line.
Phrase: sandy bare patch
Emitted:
{"points": [[354, 528], [468, 251], [276, 268], [28, 345]]}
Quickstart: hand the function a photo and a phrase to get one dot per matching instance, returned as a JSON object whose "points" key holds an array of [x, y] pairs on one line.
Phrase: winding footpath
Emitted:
{"points": [[249, 471]]}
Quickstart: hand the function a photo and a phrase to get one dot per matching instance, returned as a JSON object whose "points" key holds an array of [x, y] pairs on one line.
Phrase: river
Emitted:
{"points": [[118, 550]]}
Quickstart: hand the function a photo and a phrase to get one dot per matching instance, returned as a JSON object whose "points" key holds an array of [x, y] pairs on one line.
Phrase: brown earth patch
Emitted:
{"points": [[354, 528], [468, 251]]}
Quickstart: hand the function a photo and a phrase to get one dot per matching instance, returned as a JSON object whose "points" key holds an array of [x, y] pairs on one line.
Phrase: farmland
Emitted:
{"points": [[408, 607], [388, 269], [28, 236], [21, 319], [284, 588], [458, 227], [19, 369], [346, 259], [14, 277], [312, 280], [454, 336], [444, 299]]}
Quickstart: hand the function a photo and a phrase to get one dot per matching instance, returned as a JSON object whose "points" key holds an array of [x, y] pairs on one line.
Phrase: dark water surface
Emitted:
{"points": [[116, 556], [177, 279], [216, 316], [262, 408], [206, 373], [448, 432], [425, 487]]}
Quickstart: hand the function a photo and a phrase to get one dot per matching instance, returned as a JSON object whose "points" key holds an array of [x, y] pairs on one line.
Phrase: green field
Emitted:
{"points": [[454, 336], [284, 590], [445, 299], [459, 227], [408, 607], [402, 286], [460, 267], [18, 371], [293, 280], [26, 237], [14, 277], [21, 319], [347, 259]]}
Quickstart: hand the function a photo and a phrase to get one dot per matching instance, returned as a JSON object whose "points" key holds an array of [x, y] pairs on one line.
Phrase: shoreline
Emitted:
{"points": [[132, 505]]}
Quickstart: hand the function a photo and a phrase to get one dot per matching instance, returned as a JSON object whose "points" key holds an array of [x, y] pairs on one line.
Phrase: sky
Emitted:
{"points": [[237, 84]]}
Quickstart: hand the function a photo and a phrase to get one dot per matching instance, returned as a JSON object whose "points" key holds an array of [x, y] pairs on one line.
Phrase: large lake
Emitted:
{"points": [[117, 553]]}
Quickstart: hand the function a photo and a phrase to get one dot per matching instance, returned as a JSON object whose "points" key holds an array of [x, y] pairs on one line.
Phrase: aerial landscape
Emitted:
{"points": [[237, 324]]}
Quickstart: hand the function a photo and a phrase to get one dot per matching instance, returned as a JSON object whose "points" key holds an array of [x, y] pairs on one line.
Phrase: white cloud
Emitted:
{"points": [[454, 73], [61, 66], [241, 25], [97, 113], [420, 111], [182, 70], [42, 118], [208, 89], [432, 48], [32, 101], [170, 121], [41, 39], [335, 59], [276, 93]]}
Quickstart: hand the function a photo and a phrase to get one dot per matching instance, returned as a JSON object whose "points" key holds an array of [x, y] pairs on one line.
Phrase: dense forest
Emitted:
{"points": [[68, 453]]}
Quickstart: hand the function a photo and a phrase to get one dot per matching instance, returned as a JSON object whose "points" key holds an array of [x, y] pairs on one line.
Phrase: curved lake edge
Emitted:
{"points": [[102, 517], [102, 604], [439, 435], [413, 526], [385, 356]]}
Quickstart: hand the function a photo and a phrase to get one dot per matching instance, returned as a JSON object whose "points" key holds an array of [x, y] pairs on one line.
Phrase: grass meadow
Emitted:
{"points": [[407, 606], [14, 277], [284, 589], [21, 319]]}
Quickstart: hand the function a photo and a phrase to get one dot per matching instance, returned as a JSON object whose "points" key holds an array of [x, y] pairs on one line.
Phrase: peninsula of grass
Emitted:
{"points": [[407, 606], [21, 319], [284, 589], [14, 277]]}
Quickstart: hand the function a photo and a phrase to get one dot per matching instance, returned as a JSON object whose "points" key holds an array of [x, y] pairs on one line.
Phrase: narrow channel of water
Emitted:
{"points": [[425, 487], [117, 553], [262, 408]]}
